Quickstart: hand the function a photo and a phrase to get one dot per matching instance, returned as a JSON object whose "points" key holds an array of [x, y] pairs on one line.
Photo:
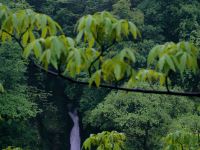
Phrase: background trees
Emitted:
{"points": [[143, 118], [18, 102], [147, 118]]}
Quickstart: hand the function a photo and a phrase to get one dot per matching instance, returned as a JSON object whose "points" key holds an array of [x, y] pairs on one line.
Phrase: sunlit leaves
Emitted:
{"points": [[114, 69], [181, 140], [150, 76], [175, 57], [119, 66], [39, 34], [146, 75], [127, 54], [26, 25], [12, 148], [49, 50], [4, 13], [105, 141], [96, 78], [79, 60], [104, 28], [1, 88]]}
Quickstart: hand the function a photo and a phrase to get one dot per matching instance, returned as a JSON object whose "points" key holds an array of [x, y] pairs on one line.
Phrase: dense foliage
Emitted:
{"points": [[150, 44]]}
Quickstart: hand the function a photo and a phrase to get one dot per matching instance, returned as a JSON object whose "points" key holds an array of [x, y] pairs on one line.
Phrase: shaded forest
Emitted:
{"points": [[163, 36]]}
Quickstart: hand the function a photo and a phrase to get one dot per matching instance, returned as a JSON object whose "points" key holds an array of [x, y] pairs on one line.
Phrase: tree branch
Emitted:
{"points": [[20, 38], [191, 94], [91, 65], [103, 49], [15, 38], [167, 84]]}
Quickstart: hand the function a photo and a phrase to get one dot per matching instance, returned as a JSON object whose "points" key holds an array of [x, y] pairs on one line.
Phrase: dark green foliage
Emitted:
{"points": [[91, 98], [173, 19], [19, 134], [15, 103], [16, 4], [143, 118], [184, 133], [67, 15]]}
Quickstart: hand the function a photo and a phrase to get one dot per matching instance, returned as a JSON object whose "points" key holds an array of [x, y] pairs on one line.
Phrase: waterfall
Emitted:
{"points": [[75, 142]]}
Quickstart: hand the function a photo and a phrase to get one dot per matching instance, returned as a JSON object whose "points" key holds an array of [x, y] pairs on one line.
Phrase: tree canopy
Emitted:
{"points": [[40, 36], [125, 50]]}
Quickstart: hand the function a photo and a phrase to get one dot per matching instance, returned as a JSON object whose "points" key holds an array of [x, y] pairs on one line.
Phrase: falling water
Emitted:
{"points": [[75, 141]]}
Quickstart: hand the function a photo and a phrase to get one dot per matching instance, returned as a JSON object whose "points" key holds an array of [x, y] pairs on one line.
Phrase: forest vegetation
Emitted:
{"points": [[124, 72]]}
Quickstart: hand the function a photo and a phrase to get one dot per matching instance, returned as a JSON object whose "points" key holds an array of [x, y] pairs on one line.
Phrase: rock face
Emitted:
{"points": [[75, 142]]}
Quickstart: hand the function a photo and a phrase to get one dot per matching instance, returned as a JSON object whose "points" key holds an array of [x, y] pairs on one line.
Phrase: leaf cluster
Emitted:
{"points": [[105, 141]]}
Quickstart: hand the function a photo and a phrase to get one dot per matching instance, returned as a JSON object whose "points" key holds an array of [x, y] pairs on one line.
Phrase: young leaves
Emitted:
{"points": [[182, 139], [150, 76], [12, 148], [116, 68], [105, 141], [96, 78], [50, 50], [79, 60], [37, 33], [104, 28], [26, 25], [4, 13], [175, 57]]}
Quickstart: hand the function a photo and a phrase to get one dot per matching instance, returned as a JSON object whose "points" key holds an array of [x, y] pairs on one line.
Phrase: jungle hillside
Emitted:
{"points": [[99, 75]]}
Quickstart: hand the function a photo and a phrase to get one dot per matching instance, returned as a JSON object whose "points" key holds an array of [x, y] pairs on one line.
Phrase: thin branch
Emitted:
{"points": [[103, 49], [113, 43], [191, 94], [20, 38], [15, 38], [167, 84], [91, 65]]}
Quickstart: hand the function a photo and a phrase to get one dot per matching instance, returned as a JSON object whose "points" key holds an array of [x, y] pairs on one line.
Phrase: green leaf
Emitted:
{"points": [[1, 88], [54, 62], [31, 36], [43, 21], [117, 72], [170, 63], [44, 32], [77, 56], [89, 22], [37, 49], [161, 64], [133, 29], [96, 78], [28, 50], [131, 55], [118, 31], [153, 54], [79, 36], [25, 38], [183, 62], [46, 58], [131, 82], [108, 26]]}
